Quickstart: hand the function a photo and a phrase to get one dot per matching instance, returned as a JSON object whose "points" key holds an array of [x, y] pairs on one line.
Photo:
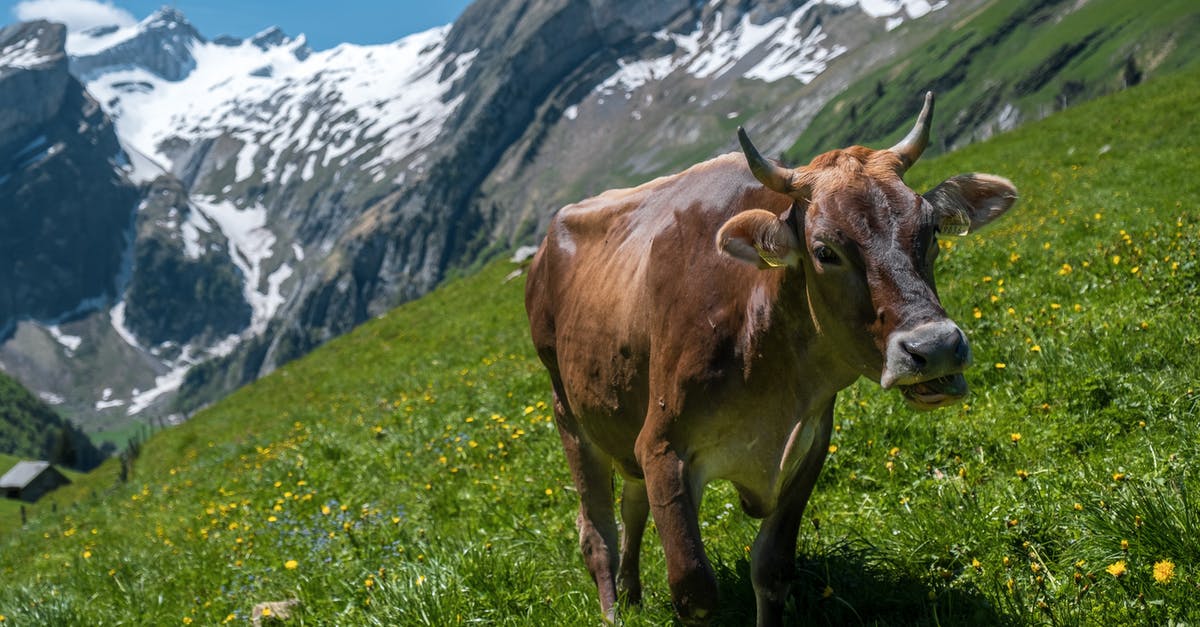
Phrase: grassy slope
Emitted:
{"points": [[1015, 52], [408, 473]]}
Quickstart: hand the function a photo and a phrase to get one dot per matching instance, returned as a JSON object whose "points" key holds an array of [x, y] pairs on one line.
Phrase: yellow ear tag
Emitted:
{"points": [[955, 223], [770, 258]]}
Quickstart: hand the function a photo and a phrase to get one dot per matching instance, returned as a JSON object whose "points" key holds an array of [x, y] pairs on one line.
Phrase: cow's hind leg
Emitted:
{"points": [[635, 507], [773, 558], [591, 471]]}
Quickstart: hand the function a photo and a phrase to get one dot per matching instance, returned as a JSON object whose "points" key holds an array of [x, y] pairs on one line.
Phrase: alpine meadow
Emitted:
{"points": [[410, 473]]}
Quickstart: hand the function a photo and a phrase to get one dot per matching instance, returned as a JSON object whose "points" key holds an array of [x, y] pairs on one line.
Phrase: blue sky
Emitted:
{"points": [[325, 23]]}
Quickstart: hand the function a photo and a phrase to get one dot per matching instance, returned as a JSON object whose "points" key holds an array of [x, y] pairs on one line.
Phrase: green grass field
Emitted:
{"points": [[409, 473]]}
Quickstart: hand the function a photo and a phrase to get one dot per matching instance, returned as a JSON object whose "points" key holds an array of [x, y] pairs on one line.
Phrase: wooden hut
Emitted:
{"points": [[28, 481]]}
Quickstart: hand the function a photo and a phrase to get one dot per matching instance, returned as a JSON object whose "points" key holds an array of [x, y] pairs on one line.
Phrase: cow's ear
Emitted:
{"points": [[761, 238], [968, 202]]}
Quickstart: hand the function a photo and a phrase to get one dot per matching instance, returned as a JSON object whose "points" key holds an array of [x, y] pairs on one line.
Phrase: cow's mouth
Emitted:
{"points": [[935, 393]]}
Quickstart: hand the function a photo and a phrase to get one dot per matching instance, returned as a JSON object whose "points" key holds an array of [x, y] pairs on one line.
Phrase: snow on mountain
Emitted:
{"points": [[775, 49], [251, 243], [23, 55], [336, 104]]}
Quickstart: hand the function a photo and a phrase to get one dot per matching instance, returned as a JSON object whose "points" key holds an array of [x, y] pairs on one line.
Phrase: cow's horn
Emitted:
{"points": [[775, 177], [913, 144]]}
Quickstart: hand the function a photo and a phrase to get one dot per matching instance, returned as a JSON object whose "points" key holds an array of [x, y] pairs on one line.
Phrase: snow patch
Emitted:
{"points": [[22, 55], [571, 112], [245, 162], [102, 405], [50, 398], [166, 383], [250, 244], [137, 166], [69, 342], [116, 316]]}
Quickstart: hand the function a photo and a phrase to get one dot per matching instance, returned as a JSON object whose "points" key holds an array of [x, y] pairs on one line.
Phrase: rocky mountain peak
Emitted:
{"points": [[167, 17], [33, 79], [162, 44], [31, 45]]}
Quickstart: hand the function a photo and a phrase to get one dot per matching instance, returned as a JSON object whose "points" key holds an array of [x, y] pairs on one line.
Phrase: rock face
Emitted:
{"points": [[66, 212], [184, 287]]}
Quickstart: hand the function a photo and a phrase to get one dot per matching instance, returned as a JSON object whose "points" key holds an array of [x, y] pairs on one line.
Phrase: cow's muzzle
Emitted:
{"points": [[926, 363]]}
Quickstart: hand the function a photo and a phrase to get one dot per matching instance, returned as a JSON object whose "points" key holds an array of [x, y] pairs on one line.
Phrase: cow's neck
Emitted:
{"points": [[791, 345]]}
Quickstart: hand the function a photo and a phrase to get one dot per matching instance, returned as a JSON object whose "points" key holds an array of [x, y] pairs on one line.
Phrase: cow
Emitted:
{"points": [[699, 327]]}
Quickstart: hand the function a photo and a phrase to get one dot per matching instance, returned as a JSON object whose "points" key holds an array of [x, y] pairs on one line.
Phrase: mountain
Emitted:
{"points": [[286, 195], [57, 254]]}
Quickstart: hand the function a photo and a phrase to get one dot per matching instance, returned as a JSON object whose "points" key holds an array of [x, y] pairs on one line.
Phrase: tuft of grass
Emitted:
{"points": [[409, 472]]}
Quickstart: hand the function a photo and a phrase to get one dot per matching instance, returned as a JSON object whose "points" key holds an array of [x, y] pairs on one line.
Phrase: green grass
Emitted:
{"points": [[1033, 54], [409, 473]]}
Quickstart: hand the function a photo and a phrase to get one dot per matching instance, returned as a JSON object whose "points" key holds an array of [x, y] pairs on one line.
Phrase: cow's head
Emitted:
{"points": [[865, 243]]}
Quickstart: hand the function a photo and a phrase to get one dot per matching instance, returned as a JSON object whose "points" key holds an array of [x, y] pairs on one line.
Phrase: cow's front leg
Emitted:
{"points": [[592, 471], [773, 558], [675, 505]]}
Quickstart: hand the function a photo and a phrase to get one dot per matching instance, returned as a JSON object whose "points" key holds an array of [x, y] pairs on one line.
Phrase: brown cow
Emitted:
{"points": [[699, 327]]}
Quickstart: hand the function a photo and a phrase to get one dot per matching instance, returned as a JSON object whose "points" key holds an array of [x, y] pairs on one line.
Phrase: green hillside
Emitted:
{"points": [[1029, 57], [409, 473], [31, 429]]}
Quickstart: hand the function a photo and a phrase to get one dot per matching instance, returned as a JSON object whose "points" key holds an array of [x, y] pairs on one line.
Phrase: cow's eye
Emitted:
{"points": [[825, 254]]}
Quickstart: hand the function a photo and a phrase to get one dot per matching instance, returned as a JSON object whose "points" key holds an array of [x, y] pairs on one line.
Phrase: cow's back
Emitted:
{"points": [[635, 272]]}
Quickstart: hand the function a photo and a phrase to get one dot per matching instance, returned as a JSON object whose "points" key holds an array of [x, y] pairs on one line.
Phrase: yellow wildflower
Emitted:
{"points": [[1116, 569], [832, 448], [291, 564], [1164, 571], [1001, 365], [1015, 437]]}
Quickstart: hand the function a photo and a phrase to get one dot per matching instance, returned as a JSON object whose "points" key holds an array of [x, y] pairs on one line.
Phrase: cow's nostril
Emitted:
{"points": [[962, 351], [914, 350]]}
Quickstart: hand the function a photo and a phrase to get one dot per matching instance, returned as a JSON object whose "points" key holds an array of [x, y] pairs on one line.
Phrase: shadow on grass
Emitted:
{"points": [[852, 584]]}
